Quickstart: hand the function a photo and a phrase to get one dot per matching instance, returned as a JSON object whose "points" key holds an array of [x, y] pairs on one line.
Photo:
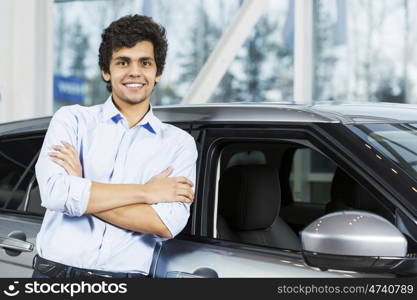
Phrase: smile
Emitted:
{"points": [[133, 85]]}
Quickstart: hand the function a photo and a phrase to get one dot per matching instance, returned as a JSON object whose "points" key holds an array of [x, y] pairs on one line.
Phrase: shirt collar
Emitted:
{"points": [[149, 121]]}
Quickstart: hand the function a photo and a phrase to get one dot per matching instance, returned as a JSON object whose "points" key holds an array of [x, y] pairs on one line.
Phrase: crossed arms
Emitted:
{"points": [[130, 206]]}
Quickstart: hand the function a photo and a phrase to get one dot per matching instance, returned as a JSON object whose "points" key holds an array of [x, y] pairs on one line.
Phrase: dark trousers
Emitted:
{"points": [[44, 268], [37, 274]]}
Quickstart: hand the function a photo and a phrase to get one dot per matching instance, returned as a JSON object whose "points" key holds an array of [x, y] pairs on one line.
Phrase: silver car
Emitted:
{"points": [[282, 190]]}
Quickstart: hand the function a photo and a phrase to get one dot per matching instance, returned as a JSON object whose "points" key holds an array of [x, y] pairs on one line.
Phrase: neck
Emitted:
{"points": [[134, 113]]}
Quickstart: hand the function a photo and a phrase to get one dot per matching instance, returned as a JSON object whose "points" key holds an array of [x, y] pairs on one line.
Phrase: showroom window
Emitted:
{"points": [[306, 51], [263, 68], [193, 29], [363, 50]]}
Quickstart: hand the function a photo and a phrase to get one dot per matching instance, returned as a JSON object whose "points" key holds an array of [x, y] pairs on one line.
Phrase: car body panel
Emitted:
{"points": [[21, 265], [179, 258]]}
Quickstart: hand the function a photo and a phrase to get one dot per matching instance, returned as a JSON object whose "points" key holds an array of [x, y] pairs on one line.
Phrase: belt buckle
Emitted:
{"points": [[98, 275]]}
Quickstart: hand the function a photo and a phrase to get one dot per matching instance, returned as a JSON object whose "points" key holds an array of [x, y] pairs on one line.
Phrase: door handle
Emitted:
{"points": [[15, 244], [178, 274], [199, 273]]}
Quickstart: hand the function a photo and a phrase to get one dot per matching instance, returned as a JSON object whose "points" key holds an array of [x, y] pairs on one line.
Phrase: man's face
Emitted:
{"points": [[132, 74]]}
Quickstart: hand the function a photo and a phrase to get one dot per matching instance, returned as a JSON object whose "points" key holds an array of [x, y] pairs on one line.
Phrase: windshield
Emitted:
{"points": [[396, 141]]}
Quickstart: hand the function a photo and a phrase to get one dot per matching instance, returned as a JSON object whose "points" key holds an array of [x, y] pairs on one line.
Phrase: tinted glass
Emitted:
{"points": [[398, 142], [16, 168], [363, 50], [311, 177]]}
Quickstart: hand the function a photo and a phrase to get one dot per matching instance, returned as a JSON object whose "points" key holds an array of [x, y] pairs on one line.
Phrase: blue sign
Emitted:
{"points": [[69, 89]]}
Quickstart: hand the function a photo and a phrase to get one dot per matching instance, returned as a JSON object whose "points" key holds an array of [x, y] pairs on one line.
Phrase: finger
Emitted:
{"points": [[184, 186], [166, 172], [62, 149], [70, 150], [62, 156], [186, 193], [57, 147], [184, 180], [183, 199], [63, 164], [70, 147], [66, 144]]}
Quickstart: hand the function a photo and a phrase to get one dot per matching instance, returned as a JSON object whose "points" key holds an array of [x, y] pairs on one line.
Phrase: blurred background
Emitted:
{"points": [[304, 51]]}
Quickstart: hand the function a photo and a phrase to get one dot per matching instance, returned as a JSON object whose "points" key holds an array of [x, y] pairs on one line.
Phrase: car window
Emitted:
{"points": [[396, 141], [311, 177], [17, 159], [268, 192], [249, 195]]}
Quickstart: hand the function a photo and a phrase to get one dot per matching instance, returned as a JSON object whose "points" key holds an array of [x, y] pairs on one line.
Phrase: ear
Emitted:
{"points": [[106, 76], [158, 78]]}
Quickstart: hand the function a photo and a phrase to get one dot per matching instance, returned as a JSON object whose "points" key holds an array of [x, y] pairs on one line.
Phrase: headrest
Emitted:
{"points": [[249, 196], [247, 158]]}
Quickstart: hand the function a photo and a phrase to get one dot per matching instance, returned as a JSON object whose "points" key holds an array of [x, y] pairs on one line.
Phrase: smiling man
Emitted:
{"points": [[115, 180]]}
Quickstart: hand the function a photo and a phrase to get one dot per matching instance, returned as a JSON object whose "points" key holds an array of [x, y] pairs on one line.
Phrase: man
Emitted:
{"points": [[115, 180]]}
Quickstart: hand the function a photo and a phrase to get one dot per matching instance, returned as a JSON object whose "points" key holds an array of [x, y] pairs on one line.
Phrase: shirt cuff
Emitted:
{"points": [[174, 215], [78, 196]]}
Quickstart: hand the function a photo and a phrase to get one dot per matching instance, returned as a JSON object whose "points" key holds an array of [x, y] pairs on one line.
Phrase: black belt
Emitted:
{"points": [[56, 270]]}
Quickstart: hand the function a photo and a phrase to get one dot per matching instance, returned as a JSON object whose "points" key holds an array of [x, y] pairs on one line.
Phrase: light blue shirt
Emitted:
{"points": [[110, 152]]}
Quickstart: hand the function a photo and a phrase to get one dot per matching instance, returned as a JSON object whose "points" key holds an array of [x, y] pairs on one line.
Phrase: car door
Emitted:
{"points": [[200, 253], [20, 211]]}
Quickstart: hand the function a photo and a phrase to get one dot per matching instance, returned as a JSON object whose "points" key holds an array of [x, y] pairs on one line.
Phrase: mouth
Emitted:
{"points": [[134, 85]]}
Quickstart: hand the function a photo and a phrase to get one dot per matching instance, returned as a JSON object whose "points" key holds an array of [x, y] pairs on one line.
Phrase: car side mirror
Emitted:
{"points": [[356, 241]]}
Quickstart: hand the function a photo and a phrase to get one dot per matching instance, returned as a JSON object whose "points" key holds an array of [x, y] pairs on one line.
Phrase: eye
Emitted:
{"points": [[122, 63], [147, 63]]}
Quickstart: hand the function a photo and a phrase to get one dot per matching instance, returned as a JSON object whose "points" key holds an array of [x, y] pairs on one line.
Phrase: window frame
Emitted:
{"points": [[216, 137], [198, 136]]}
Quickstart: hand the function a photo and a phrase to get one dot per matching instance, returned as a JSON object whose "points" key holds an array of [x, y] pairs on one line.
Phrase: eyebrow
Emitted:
{"points": [[125, 58], [146, 58]]}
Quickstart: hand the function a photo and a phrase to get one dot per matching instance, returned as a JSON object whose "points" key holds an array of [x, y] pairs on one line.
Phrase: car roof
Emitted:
{"points": [[322, 112], [263, 112]]}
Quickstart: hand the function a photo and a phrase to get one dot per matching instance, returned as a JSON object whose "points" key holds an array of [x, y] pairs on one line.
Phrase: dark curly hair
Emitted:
{"points": [[127, 32]]}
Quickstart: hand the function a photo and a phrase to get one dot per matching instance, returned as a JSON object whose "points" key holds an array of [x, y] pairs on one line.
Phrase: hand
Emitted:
{"points": [[162, 188], [67, 157]]}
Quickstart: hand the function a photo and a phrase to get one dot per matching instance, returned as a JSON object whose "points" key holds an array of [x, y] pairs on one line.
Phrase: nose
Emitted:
{"points": [[135, 70]]}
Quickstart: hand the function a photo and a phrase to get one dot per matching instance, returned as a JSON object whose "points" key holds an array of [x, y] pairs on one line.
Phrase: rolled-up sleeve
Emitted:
{"points": [[60, 191], [175, 214]]}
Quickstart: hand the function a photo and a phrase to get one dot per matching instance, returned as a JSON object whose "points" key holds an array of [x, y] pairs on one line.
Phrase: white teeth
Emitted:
{"points": [[134, 85]]}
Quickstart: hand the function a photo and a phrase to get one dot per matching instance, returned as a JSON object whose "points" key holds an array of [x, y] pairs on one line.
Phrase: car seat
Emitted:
{"points": [[249, 204]]}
